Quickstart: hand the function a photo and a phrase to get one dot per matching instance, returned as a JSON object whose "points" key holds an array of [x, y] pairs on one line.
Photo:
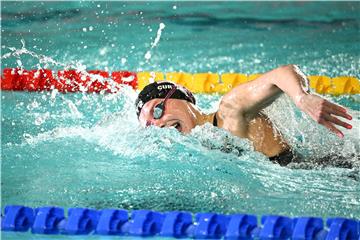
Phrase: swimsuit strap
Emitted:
{"points": [[215, 120]]}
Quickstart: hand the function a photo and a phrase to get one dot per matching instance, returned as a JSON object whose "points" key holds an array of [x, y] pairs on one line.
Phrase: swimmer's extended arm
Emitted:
{"points": [[249, 98]]}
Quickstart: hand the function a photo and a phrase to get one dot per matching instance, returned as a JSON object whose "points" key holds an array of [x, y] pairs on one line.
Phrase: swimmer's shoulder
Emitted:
{"points": [[230, 121]]}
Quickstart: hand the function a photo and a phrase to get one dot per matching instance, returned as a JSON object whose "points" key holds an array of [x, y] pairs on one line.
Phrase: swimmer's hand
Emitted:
{"points": [[249, 98], [323, 112]]}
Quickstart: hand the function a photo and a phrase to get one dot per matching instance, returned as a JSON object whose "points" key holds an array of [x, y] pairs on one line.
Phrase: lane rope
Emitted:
{"points": [[178, 224], [98, 81]]}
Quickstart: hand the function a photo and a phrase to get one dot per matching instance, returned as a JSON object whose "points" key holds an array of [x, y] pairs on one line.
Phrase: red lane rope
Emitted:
{"points": [[17, 79]]}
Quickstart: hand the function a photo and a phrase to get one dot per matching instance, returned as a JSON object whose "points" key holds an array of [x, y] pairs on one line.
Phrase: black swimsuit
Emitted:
{"points": [[215, 120], [283, 158], [288, 156]]}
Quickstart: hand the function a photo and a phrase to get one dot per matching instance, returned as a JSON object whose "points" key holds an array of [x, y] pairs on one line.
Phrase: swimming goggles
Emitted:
{"points": [[159, 108]]}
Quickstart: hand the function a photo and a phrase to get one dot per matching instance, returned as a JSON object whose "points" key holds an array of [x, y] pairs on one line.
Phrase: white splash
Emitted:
{"points": [[73, 109], [156, 41], [41, 118], [46, 62]]}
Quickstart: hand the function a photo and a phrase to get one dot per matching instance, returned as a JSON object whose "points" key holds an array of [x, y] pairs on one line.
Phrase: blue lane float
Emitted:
{"points": [[177, 224]]}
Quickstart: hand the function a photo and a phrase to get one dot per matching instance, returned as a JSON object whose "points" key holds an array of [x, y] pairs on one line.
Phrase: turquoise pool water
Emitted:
{"points": [[88, 150]]}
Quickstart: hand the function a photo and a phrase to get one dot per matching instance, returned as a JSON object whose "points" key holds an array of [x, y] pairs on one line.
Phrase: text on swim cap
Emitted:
{"points": [[163, 87]]}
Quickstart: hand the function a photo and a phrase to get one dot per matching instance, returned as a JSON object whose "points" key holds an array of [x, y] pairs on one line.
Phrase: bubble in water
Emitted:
{"points": [[84, 30], [174, 7], [20, 104], [123, 60], [91, 28], [28, 138], [41, 119]]}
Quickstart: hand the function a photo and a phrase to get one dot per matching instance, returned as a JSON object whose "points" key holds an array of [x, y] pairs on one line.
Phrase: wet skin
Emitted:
{"points": [[240, 110], [184, 116]]}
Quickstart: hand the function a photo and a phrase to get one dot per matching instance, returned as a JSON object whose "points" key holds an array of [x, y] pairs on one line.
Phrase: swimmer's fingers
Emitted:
{"points": [[332, 128], [337, 110], [337, 121], [325, 112]]}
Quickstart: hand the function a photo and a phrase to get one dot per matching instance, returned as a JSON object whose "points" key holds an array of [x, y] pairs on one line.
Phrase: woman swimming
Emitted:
{"points": [[165, 104]]}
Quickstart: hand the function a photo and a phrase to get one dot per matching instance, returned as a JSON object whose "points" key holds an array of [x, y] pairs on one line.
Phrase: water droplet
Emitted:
{"points": [[27, 137], [53, 94], [19, 63], [103, 51], [148, 55], [33, 105], [257, 60], [41, 119]]}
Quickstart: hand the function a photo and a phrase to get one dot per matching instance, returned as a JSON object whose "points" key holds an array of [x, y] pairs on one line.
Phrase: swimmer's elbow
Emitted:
{"points": [[284, 74], [288, 69]]}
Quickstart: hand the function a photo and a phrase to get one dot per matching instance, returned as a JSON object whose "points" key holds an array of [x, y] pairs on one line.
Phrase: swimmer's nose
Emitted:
{"points": [[159, 124], [155, 122]]}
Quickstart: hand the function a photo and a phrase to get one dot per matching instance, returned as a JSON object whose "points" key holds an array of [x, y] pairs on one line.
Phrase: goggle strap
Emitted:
{"points": [[170, 93]]}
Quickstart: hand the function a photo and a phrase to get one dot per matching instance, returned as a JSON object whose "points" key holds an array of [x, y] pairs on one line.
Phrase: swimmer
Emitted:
{"points": [[165, 104]]}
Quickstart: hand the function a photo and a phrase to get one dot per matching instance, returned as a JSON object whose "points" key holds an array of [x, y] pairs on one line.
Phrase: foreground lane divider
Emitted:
{"points": [[15, 79], [177, 224]]}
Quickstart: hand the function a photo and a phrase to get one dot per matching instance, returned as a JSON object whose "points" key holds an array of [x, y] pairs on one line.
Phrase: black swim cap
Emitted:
{"points": [[160, 90]]}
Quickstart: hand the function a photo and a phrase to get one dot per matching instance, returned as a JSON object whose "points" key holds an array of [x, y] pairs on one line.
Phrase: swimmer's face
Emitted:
{"points": [[178, 114]]}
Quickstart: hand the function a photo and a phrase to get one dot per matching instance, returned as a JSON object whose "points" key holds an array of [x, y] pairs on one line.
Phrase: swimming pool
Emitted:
{"points": [[88, 150]]}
